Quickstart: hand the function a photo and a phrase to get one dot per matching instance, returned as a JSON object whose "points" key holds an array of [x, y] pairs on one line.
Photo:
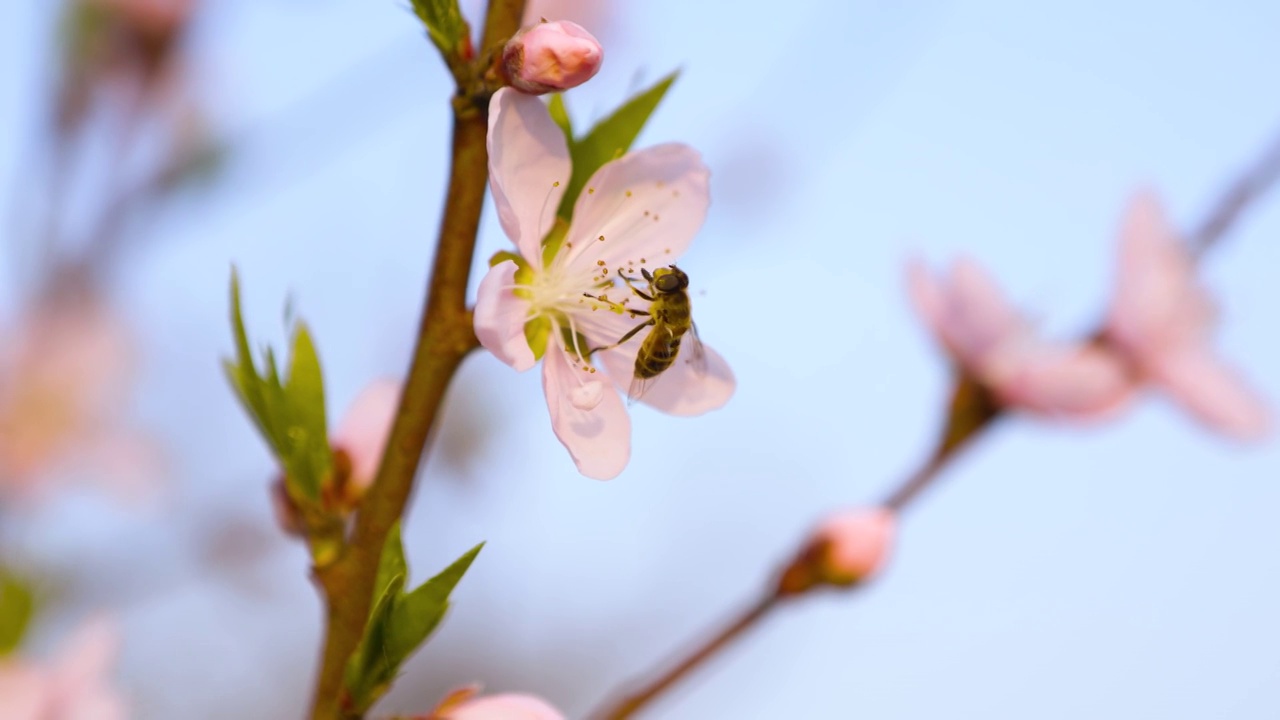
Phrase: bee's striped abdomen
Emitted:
{"points": [[657, 354]]}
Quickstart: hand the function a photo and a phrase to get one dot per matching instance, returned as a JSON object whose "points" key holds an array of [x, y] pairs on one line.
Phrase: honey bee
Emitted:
{"points": [[669, 316]]}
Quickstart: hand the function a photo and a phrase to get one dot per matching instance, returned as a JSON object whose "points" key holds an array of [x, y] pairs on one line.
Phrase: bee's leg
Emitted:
{"points": [[630, 334], [616, 305], [629, 280]]}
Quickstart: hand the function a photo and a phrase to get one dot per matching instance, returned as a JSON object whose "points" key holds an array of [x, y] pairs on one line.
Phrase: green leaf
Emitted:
{"points": [[243, 372], [17, 606], [560, 114], [398, 623], [289, 414], [416, 616], [445, 26], [392, 563], [370, 670], [308, 431], [609, 139]]}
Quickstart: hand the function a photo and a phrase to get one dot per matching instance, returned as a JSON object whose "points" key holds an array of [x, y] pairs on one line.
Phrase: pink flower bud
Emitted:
{"points": [[462, 704], [846, 549], [362, 433], [551, 56]]}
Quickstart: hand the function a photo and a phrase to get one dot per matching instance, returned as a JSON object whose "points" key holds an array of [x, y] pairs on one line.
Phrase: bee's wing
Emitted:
{"points": [[697, 353], [691, 352], [641, 385]]}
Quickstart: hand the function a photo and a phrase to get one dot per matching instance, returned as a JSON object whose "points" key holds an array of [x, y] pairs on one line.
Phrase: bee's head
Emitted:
{"points": [[670, 279]]}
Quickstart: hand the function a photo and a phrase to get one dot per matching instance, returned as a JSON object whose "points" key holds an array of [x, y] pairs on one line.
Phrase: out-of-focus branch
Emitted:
{"points": [[1251, 185], [630, 704], [972, 411], [445, 336]]}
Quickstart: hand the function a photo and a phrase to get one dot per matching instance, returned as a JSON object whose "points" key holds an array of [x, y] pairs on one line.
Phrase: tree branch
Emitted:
{"points": [[445, 336]]}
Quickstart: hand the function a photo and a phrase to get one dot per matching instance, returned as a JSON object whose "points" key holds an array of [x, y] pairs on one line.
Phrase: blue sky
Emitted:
{"points": [[1121, 571]]}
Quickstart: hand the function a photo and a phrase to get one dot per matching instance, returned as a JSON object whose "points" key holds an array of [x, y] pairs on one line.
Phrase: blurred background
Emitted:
{"points": [[1123, 570]]}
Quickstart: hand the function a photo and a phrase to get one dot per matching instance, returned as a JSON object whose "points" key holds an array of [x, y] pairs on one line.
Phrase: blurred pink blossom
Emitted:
{"points": [[641, 210], [996, 345], [72, 687], [551, 56], [461, 704], [855, 543], [1162, 319], [64, 378], [363, 431]]}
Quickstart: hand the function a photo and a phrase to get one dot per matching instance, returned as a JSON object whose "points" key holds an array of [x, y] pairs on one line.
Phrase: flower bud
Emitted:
{"points": [[362, 433], [464, 704], [846, 549], [551, 56]]}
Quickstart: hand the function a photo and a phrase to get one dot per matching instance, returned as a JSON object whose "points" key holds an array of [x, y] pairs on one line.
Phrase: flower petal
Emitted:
{"points": [[1213, 392], [500, 317], [647, 204], [981, 317], [529, 168], [25, 690], [1080, 382], [682, 390], [597, 437], [1158, 303], [925, 292]]}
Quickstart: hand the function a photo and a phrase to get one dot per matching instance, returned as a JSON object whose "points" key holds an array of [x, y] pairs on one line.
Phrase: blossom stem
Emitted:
{"points": [[632, 703], [963, 426], [972, 411], [445, 337], [1251, 185]]}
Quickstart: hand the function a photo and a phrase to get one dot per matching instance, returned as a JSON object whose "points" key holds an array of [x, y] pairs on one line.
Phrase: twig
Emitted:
{"points": [[633, 702]]}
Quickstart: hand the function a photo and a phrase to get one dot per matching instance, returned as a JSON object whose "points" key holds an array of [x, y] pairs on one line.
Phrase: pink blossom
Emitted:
{"points": [[72, 687], [363, 431], [551, 56], [64, 375], [462, 705], [639, 211], [1162, 319], [855, 544], [996, 345]]}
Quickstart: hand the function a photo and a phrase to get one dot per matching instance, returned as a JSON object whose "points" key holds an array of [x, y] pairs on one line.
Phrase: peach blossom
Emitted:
{"points": [[996, 345], [1162, 319], [64, 375], [72, 687], [641, 210]]}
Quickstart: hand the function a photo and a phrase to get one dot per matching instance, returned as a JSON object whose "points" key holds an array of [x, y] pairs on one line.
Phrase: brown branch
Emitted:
{"points": [[628, 705], [445, 336]]}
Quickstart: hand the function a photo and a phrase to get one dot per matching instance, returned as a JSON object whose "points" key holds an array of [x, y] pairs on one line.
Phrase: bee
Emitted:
{"points": [[670, 317]]}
